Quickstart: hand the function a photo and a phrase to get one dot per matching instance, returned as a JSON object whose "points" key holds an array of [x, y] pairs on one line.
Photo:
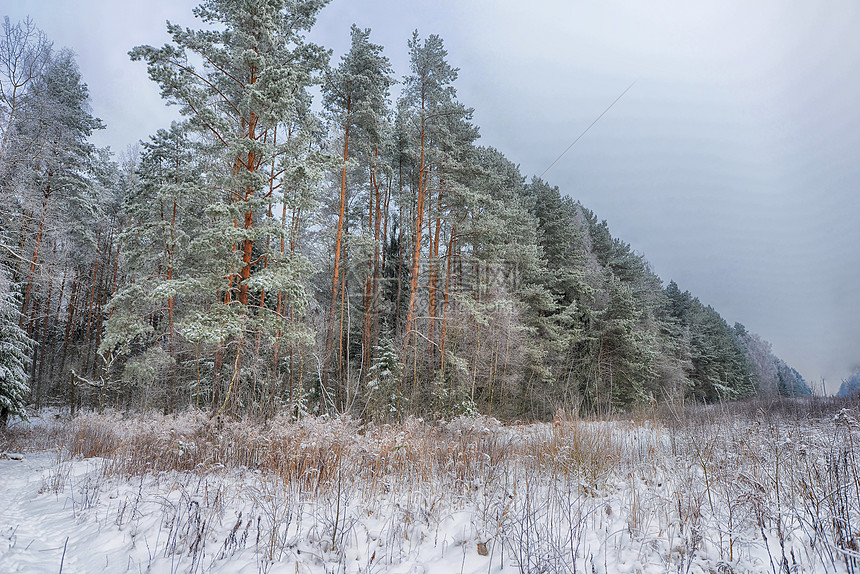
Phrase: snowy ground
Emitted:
{"points": [[472, 496], [184, 523]]}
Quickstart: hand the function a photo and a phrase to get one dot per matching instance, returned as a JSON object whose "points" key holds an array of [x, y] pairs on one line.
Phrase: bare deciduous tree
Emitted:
{"points": [[24, 53]]}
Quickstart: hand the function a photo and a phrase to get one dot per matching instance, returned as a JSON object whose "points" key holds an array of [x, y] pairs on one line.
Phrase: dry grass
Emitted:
{"points": [[722, 485]]}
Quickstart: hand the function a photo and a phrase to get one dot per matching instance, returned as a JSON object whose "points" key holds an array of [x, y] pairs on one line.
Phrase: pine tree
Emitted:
{"points": [[15, 348], [720, 368], [439, 137], [673, 364], [355, 96], [564, 247], [791, 383], [55, 194], [166, 210], [383, 398], [492, 303], [249, 99], [60, 160]]}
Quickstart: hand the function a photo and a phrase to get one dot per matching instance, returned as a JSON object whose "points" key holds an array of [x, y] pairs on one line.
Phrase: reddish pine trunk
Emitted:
{"points": [[337, 256], [434, 266], [34, 262]]}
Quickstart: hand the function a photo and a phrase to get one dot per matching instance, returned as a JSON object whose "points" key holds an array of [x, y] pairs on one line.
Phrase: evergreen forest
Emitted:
{"points": [[304, 241]]}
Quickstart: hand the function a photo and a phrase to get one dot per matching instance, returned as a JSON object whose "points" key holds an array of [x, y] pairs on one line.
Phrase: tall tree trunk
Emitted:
{"points": [[373, 224], [432, 283], [56, 327], [376, 275], [32, 329], [343, 350], [336, 275], [101, 299], [70, 319], [250, 165], [86, 358], [173, 384], [44, 353], [423, 176], [295, 382], [34, 261], [444, 336]]}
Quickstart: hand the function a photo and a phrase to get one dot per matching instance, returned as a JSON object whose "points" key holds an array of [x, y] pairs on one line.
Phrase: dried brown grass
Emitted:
{"points": [[314, 454]]}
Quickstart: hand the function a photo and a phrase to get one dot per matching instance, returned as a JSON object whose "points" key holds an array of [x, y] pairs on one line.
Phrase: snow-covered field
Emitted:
{"points": [[719, 492]]}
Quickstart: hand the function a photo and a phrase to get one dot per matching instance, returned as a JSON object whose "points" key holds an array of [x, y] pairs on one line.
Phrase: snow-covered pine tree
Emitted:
{"points": [[720, 368], [355, 96], [384, 399], [166, 211], [15, 348], [557, 321], [242, 83], [57, 173], [496, 318], [54, 181], [440, 137]]}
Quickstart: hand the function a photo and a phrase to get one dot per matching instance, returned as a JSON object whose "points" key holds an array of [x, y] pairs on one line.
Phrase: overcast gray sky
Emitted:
{"points": [[733, 164]]}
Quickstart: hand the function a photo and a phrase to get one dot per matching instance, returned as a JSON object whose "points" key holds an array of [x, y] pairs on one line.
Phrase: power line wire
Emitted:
{"points": [[586, 129]]}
